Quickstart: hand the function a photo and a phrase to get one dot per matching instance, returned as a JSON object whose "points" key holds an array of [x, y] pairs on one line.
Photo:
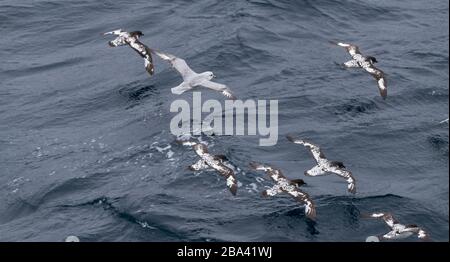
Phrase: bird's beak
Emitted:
{"points": [[214, 76]]}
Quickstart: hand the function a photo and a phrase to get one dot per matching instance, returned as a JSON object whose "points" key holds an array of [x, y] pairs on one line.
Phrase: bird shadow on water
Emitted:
{"points": [[292, 216], [111, 205], [135, 92]]}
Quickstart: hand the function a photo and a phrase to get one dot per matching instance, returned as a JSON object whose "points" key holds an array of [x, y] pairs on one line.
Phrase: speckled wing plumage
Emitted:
{"points": [[387, 217], [217, 164], [361, 61], [379, 77], [398, 230], [284, 185], [324, 165], [125, 38]]}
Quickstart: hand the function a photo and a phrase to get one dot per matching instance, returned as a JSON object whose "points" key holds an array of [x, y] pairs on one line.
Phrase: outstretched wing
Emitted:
{"points": [[119, 41], [201, 150], [274, 190], [219, 87], [380, 78], [345, 174], [302, 197], [315, 171], [387, 217], [423, 235], [186, 142], [178, 63], [148, 63], [351, 49], [144, 51], [315, 150], [114, 32], [351, 64], [273, 173], [199, 165], [229, 175]]}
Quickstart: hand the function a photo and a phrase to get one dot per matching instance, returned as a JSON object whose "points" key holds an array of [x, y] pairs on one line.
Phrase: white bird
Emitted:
{"points": [[284, 185], [398, 231], [325, 166], [216, 162], [191, 79], [132, 39], [367, 63]]}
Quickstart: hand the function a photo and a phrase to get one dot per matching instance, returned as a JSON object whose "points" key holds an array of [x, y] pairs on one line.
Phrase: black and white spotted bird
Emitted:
{"points": [[325, 166], [284, 185], [398, 231], [366, 63], [132, 39], [216, 162]]}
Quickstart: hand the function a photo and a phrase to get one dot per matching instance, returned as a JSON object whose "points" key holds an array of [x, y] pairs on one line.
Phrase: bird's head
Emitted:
{"points": [[137, 33], [372, 59], [412, 226], [298, 182], [210, 75]]}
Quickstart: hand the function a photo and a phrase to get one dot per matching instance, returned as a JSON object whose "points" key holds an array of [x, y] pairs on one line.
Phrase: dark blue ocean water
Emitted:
{"points": [[85, 147]]}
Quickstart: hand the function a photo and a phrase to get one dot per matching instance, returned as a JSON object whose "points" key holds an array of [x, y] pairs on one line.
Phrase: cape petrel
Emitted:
{"points": [[325, 166], [366, 63], [398, 231], [284, 185], [216, 162], [132, 39]]}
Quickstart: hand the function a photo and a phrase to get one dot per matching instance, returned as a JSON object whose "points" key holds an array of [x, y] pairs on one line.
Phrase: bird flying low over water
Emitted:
{"points": [[398, 231], [132, 39], [284, 185], [215, 162], [191, 79], [325, 166], [366, 63]]}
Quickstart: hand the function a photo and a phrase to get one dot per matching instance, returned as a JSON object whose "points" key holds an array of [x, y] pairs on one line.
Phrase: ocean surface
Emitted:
{"points": [[85, 144]]}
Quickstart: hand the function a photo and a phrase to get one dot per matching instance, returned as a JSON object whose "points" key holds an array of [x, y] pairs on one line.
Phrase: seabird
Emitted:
{"points": [[398, 231], [132, 39], [367, 63], [284, 185], [325, 166], [216, 162], [191, 79], [72, 239]]}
